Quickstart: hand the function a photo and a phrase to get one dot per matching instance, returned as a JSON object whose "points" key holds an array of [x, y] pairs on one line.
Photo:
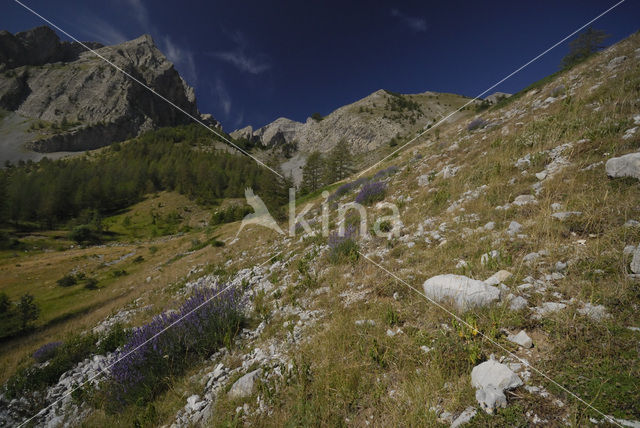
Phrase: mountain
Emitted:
{"points": [[366, 125], [74, 100]]}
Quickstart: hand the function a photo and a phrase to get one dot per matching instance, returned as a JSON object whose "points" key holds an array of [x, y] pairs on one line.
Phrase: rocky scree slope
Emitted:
{"points": [[89, 103]]}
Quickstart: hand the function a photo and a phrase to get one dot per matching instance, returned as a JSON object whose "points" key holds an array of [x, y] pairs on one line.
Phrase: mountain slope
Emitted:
{"points": [[367, 125]]}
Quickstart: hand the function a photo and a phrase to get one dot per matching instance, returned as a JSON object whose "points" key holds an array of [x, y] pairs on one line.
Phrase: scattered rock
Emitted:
{"points": [[464, 417], [491, 379], [635, 262], [566, 214], [498, 277], [531, 257], [615, 62], [595, 312], [560, 267], [491, 255], [629, 133], [244, 386], [463, 291], [423, 180], [629, 249], [365, 322], [521, 339], [624, 166], [524, 200], [547, 308], [514, 228], [517, 303]]}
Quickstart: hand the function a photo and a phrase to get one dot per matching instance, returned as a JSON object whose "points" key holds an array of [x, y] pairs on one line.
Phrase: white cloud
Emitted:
{"points": [[414, 23], [101, 31], [238, 57], [223, 96], [182, 58], [141, 14]]}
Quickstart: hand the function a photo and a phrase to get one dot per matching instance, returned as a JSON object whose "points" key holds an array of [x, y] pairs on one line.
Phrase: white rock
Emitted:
{"points": [[595, 312], [423, 180], [517, 303], [629, 133], [566, 214], [514, 228], [365, 322], [463, 291], [631, 223], [624, 166], [521, 339], [560, 266], [629, 249], [556, 206], [541, 175], [615, 62], [547, 308], [464, 417], [243, 387], [498, 277], [491, 379], [635, 262], [489, 226], [531, 257], [463, 264], [491, 255], [524, 200]]}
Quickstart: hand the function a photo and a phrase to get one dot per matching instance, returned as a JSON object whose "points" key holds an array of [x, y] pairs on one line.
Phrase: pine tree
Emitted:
{"points": [[312, 173], [339, 163], [27, 310], [584, 46]]}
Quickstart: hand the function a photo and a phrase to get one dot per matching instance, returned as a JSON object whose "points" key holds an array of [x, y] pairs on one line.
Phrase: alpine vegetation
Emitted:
{"points": [[172, 340], [343, 247], [371, 192]]}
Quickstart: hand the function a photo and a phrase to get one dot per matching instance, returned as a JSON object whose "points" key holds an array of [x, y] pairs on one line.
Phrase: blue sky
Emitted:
{"points": [[254, 61]]}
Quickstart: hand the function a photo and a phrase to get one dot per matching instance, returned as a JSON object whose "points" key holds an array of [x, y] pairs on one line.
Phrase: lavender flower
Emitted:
{"points": [[385, 172], [164, 347], [371, 192], [45, 352]]}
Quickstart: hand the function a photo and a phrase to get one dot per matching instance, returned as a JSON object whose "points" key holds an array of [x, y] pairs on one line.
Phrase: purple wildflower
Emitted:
{"points": [[371, 192], [163, 347], [45, 352], [385, 172]]}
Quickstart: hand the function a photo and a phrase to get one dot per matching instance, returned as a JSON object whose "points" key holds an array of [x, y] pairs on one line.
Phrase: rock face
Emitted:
{"points": [[491, 379], [464, 292], [62, 84], [37, 46], [624, 166]]}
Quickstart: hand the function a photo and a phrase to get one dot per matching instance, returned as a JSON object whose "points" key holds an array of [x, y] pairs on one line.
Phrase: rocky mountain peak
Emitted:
{"points": [[56, 82]]}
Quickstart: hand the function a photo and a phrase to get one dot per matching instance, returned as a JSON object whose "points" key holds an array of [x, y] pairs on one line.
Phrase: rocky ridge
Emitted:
{"points": [[80, 102]]}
